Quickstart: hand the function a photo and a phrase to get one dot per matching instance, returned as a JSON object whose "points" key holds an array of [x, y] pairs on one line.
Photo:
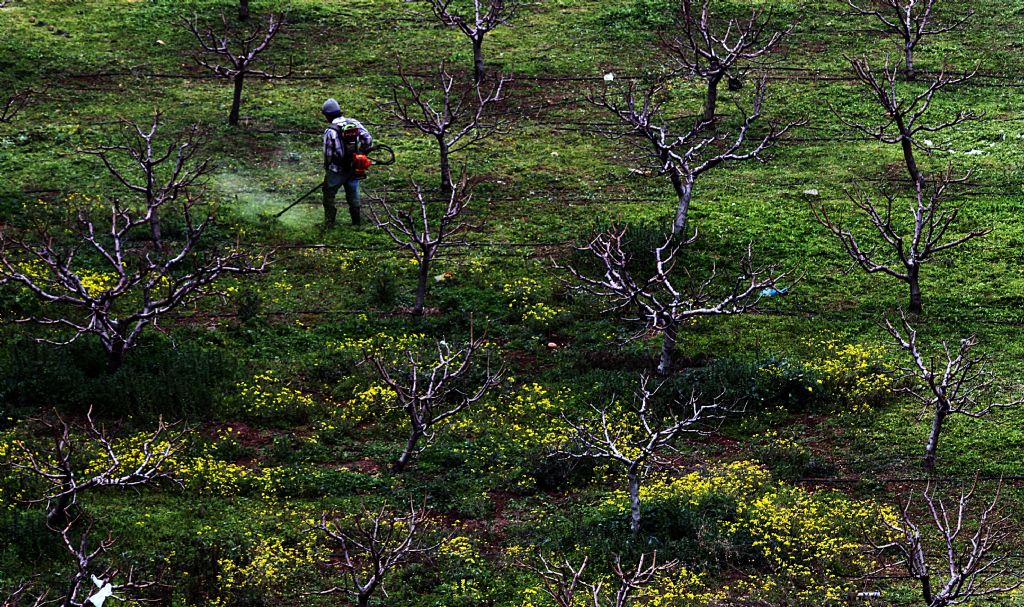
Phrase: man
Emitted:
{"points": [[342, 140]]}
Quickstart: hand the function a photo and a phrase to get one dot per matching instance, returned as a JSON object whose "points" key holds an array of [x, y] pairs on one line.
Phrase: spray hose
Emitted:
{"points": [[389, 159]]}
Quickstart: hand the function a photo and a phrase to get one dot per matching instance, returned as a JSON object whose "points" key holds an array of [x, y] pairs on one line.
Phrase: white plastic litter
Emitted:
{"points": [[106, 590]]}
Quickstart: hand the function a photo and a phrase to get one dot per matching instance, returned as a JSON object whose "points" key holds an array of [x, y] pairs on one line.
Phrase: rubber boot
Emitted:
{"points": [[354, 213], [330, 211]]}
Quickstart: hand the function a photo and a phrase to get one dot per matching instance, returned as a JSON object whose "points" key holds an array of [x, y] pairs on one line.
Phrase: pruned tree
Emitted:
{"points": [[14, 103], [686, 157], [714, 51], [904, 114], [456, 119], [486, 16], [956, 557], [661, 300], [23, 594], [908, 241], [629, 585], [634, 438], [432, 391], [113, 467], [631, 582], [561, 580], [159, 172], [372, 546], [911, 20], [243, 10], [237, 56], [958, 385], [420, 232], [95, 277]]}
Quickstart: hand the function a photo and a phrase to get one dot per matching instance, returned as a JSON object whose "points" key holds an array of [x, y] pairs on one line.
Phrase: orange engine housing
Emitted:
{"points": [[360, 162]]}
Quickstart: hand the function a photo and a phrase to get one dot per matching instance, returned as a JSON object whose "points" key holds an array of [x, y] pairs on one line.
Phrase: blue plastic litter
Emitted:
{"points": [[773, 292]]}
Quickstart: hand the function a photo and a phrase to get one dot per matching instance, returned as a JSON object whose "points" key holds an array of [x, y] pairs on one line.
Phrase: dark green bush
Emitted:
{"points": [[156, 379]]}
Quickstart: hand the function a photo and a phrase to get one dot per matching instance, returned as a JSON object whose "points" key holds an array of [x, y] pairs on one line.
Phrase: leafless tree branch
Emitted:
{"points": [[911, 20], [455, 119], [971, 560], [633, 439], [958, 383], [711, 53], [237, 53], [903, 114], [430, 392], [487, 16], [138, 285], [660, 299], [375, 544], [685, 157], [16, 102], [903, 254], [415, 230]]}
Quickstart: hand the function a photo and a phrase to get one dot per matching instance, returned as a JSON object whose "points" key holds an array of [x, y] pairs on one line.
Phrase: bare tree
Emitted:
{"points": [[56, 466], [713, 55], [633, 439], [487, 16], [243, 10], [685, 157], [909, 242], [22, 595], [562, 580], [660, 299], [911, 20], [377, 543], [236, 63], [961, 385], [630, 581], [903, 115], [414, 229], [456, 120], [430, 392], [14, 104], [136, 285], [115, 467], [971, 560], [159, 172]]}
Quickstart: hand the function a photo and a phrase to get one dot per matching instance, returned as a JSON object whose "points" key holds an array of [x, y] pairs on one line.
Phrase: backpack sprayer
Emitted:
{"points": [[360, 162]]}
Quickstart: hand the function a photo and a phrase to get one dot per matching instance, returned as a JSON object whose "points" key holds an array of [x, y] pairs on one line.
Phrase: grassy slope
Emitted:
{"points": [[543, 184]]}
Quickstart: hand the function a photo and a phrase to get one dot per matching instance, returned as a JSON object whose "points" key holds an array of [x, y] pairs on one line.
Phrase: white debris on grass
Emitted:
{"points": [[811, 192], [609, 77]]}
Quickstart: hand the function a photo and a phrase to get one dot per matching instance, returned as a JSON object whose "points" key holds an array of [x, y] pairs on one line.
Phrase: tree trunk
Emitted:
{"points": [[447, 185], [667, 346], [115, 355], [236, 101], [243, 10], [908, 153], [410, 448], [914, 279], [364, 599], [684, 192], [909, 51], [421, 286], [634, 502], [711, 101], [154, 228], [478, 59], [933, 439], [926, 589]]}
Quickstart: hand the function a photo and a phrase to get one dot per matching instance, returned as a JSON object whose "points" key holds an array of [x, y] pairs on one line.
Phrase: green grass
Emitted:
{"points": [[548, 182]]}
